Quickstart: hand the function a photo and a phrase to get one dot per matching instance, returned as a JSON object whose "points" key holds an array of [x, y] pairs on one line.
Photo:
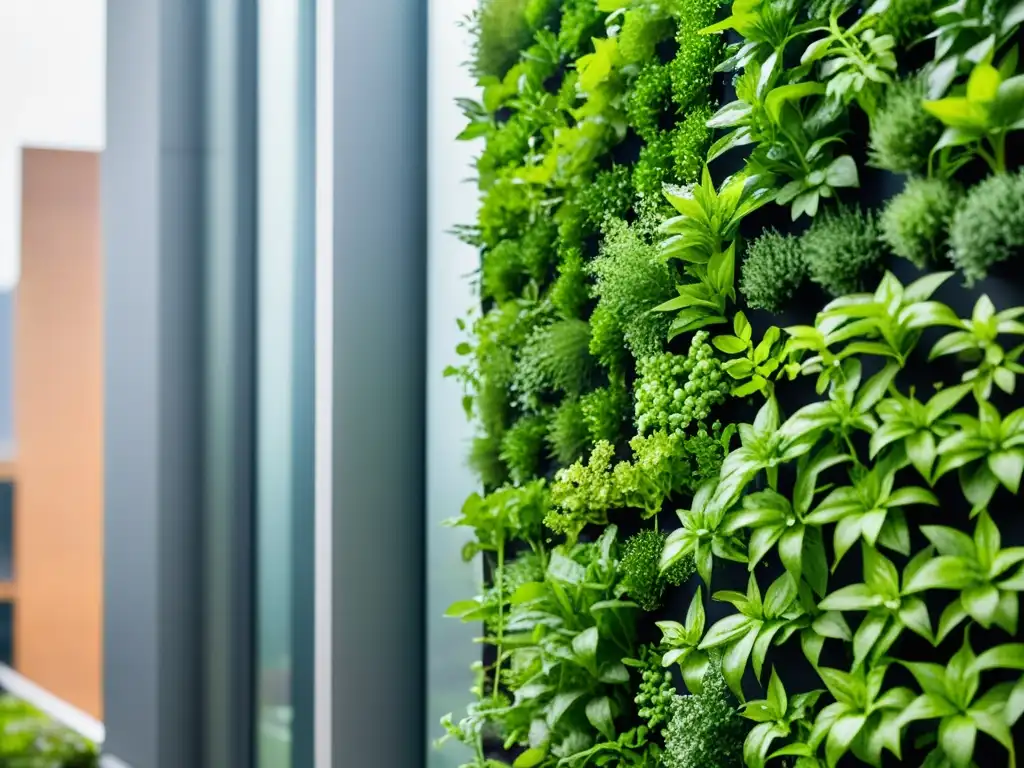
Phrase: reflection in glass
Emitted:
{"points": [[284, 466]]}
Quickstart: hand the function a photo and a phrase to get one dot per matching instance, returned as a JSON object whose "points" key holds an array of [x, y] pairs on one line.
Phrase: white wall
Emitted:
{"points": [[451, 200], [52, 96]]}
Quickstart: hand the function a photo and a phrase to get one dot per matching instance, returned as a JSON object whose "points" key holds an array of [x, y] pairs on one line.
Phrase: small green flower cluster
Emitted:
{"points": [[674, 391], [656, 693]]}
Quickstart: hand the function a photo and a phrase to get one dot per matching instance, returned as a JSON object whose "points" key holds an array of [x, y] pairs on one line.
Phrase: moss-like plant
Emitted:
{"points": [[843, 250], [773, 270], [643, 27], [501, 30], [988, 226], [690, 142], [698, 54], [581, 21], [631, 279], [606, 411], [609, 195], [640, 576], [568, 437], [902, 132], [647, 100], [907, 20], [914, 223], [570, 292], [556, 358], [485, 460], [653, 164], [522, 447], [706, 730]]}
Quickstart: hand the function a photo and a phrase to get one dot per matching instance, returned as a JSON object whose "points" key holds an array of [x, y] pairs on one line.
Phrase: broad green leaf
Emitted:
{"points": [[599, 714], [734, 661], [729, 344], [530, 758], [560, 705], [840, 736], [778, 97], [1008, 656], [855, 597], [945, 572], [777, 694], [956, 736], [584, 645]]}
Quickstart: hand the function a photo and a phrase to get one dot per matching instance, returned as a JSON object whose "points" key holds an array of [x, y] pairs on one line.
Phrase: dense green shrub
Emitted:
{"points": [[706, 731], [501, 30], [988, 226], [907, 20], [693, 66], [570, 292], [485, 460], [630, 280], [30, 739], [647, 100], [609, 195], [902, 132], [555, 359], [606, 411], [568, 436], [522, 447], [773, 270], [639, 570], [843, 250], [690, 142], [914, 223], [654, 163]]}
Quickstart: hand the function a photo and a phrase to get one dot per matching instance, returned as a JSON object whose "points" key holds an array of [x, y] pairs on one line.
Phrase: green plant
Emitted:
{"points": [[914, 222], [630, 281], [681, 645], [990, 106], [556, 358], [906, 20], [648, 98], [570, 292], [501, 30], [777, 717], [692, 67], [976, 340], [656, 692], [773, 271], [759, 363], [674, 391], [903, 132], [949, 694], [641, 578], [522, 447], [705, 731], [605, 411], [30, 739], [843, 250], [988, 225], [690, 142], [568, 437]]}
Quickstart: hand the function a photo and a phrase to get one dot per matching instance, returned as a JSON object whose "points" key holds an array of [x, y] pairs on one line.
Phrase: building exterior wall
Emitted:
{"points": [[58, 404]]}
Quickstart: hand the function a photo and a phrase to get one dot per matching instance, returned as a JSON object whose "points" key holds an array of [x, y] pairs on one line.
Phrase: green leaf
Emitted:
{"points": [[945, 572], [1008, 656], [599, 714], [855, 597], [777, 694], [981, 603], [694, 667], [927, 706], [584, 645], [949, 541], [560, 705], [734, 661], [530, 758], [531, 590], [1007, 466], [845, 687], [840, 736], [463, 348], [956, 737], [983, 83], [726, 631], [729, 344], [779, 97], [842, 172]]}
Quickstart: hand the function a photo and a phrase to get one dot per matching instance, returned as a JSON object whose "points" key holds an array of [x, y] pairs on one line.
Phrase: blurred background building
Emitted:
{"points": [[225, 443]]}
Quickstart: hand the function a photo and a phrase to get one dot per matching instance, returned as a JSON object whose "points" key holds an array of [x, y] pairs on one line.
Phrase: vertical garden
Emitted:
{"points": [[744, 376]]}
